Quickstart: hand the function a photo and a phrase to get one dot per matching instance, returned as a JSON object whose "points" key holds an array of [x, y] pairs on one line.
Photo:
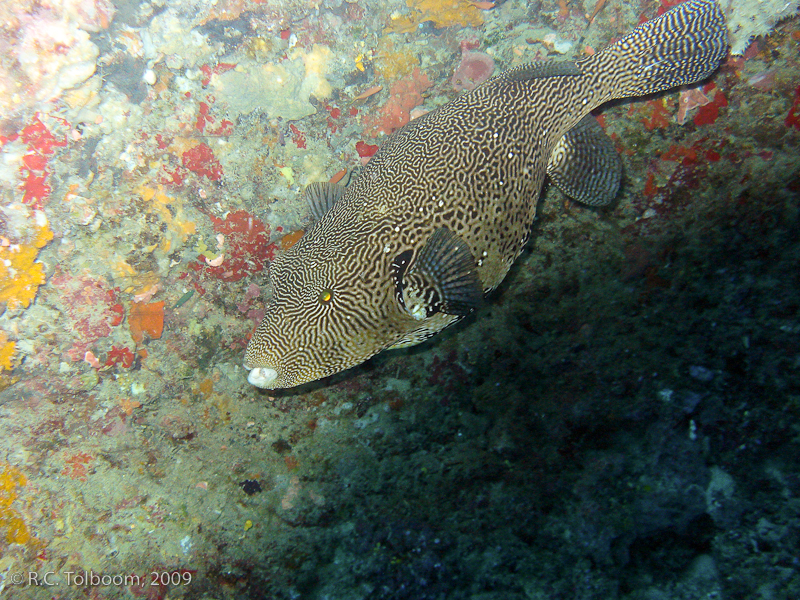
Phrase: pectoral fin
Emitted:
{"points": [[442, 278]]}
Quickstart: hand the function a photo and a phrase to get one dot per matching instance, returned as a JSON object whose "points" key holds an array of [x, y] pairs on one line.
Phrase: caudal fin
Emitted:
{"points": [[682, 46]]}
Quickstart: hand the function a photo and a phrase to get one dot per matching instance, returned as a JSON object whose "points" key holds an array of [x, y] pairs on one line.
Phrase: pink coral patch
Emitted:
{"points": [[202, 161], [473, 70], [404, 95], [247, 247]]}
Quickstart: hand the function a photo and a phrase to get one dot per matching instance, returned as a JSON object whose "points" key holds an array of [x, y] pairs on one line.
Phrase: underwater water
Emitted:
{"points": [[619, 420]]}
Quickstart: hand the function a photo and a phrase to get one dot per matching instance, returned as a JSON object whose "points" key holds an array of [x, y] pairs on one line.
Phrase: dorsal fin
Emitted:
{"points": [[585, 165], [539, 70], [321, 196]]}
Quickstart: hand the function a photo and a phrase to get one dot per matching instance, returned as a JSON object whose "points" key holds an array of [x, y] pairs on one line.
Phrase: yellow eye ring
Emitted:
{"points": [[325, 296]]}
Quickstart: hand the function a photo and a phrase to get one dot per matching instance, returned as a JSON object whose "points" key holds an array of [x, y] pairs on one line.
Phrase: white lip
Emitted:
{"points": [[262, 377]]}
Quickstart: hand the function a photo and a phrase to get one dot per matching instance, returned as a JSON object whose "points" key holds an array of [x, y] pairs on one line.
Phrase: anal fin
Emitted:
{"points": [[585, 165]]}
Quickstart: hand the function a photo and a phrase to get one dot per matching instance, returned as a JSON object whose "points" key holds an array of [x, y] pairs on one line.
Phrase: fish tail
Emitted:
{"points": [[682, 46]]}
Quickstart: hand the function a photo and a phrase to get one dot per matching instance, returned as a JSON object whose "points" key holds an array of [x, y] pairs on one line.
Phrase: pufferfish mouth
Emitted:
{"points": [[262, 377]]}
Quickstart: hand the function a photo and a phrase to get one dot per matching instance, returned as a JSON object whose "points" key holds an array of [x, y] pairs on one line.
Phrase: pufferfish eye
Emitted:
{"points": [[325, 296]]}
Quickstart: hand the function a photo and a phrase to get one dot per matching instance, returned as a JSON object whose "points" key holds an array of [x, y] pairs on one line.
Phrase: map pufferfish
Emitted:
{"points": [[439, 214]]}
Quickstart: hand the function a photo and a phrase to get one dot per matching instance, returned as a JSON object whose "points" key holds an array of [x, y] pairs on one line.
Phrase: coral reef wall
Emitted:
{"points": [[749, 19], [618, 421]]}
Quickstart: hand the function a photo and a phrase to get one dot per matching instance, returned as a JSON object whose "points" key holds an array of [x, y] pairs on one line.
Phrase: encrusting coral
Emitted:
{"points": [[20, 274], [6, 351], [442, 13], [12, 526]]}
